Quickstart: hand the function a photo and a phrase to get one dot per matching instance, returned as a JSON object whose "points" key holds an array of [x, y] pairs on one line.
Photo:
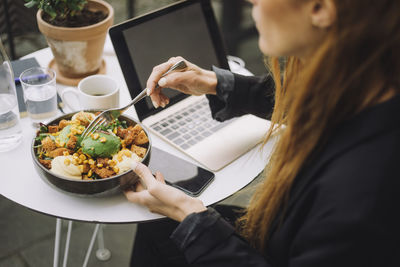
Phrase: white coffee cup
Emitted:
{"points": [[93, 92]]}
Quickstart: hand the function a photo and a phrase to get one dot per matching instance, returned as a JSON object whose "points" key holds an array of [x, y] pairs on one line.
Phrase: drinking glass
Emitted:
{"points": [[10, 128], [40, 93]]}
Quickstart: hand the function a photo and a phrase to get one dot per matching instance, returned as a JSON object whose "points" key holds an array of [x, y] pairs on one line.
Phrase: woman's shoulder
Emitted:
{"points": [[369, 143], [362, 155]]}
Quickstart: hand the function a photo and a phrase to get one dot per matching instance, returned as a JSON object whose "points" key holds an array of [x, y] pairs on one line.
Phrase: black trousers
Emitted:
{"points": [[153, 247]]}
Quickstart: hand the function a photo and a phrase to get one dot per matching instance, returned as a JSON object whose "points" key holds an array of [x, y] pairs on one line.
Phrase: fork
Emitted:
{"points": [[107, 116]]}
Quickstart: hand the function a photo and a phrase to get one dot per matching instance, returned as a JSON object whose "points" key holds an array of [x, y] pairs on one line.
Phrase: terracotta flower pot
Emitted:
{"points": [[78, 50]]}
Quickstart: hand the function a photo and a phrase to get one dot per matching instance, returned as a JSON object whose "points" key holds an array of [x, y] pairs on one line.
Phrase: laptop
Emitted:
{"points": [[188, 29]]}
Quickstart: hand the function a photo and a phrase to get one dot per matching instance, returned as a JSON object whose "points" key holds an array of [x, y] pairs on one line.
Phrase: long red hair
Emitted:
{"points": [[358, 62]]}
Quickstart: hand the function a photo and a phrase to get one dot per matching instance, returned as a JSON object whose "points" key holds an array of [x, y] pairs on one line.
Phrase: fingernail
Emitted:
{"points": [[133, 165], [162, 82], [148, 91], [154, 104]]}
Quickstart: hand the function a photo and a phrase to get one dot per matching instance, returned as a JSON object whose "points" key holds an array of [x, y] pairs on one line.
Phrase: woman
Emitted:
{"points": [[330, 197]]}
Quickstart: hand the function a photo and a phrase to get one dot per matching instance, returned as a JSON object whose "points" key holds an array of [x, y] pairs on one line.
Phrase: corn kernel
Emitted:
{"points": [[115, 130], [79, 161], [90, 173], [127, 153], [65, 153], [119, 158], [92, 166], [85, 161], [116, 169], [80, 167], [103, 140], [91, 162], [112, 163], [99, 165], [76, 155], [67, 162], [75, 162], [96, 136], [82, 156]]}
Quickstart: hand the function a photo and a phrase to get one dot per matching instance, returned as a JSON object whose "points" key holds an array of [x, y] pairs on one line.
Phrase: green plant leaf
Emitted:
{"points": [[58, 8], [31, 3], [51, 11]]}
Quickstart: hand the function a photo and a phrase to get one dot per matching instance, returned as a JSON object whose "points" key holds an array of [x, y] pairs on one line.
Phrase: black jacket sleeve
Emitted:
{"points": [[239, 95], [208, 240]]}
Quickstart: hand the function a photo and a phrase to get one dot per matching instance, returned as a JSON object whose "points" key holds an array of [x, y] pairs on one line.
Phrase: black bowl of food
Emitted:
{"points": [[96, 165]]}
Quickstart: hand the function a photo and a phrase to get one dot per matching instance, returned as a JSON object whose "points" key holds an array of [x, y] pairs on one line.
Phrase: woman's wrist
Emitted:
{"points": [[212, 81], [191, 206]]}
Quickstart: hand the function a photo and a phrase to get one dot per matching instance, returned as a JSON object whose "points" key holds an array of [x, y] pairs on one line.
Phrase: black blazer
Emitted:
{"points": [[344, 208]]}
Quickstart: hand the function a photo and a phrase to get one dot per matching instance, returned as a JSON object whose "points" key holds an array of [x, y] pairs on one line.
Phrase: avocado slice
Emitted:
{"points": [[97, 148], [64, 134]]}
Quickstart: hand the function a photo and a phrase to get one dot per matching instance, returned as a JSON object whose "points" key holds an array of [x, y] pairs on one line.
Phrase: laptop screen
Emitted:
{"points": [[186, 29]]}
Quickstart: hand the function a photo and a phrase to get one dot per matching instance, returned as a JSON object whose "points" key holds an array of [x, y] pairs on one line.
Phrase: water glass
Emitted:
{"points": [[10, 128], [40, 93]]}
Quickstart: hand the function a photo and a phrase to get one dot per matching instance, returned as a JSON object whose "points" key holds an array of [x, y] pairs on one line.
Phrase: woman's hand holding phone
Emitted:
{"points": [[161, 198], [193, 81]]}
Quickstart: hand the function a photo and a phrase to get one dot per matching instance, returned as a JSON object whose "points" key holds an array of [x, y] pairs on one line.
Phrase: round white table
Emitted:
{"points": [[23, 185]]}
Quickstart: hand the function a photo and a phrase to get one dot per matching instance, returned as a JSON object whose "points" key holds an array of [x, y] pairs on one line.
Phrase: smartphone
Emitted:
{"points": [[179, 173]]}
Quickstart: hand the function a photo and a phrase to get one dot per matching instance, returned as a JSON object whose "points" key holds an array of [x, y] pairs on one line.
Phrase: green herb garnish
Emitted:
{"points": [[43, 128]]}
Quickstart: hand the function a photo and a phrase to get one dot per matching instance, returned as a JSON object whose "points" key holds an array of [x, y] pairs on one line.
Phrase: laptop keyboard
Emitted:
{"points": [[190, 125]]}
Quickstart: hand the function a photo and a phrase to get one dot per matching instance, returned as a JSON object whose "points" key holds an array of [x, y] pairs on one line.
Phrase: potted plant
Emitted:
{"points": [[75, 31]]}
